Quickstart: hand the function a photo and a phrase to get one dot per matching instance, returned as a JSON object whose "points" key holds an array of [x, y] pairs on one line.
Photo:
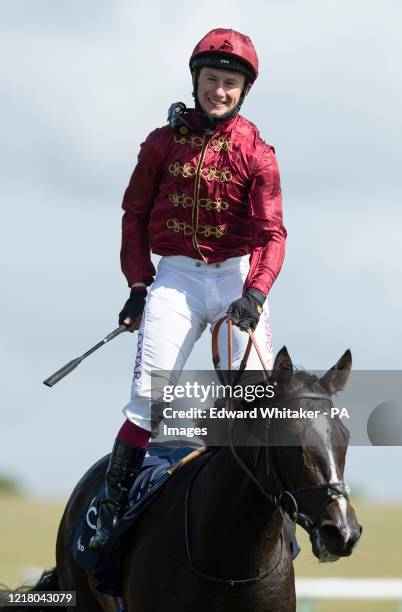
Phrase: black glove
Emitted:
{"points": [[245, 312], [134, 306]]}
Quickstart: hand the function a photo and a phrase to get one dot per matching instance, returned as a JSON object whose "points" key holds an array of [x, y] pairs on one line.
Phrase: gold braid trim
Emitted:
{"points": [[194, 141], [217, 204], [209, 174], [186, 170], [177, 226], [181, 199], [206, 230], [216, 144], [186, 201], [214, 173]]}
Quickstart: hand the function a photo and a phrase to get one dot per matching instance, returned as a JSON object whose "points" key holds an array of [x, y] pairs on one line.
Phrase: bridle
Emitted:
{"points": [[331, 491]]}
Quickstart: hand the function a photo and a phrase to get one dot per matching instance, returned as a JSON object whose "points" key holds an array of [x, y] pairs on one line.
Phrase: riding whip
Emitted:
{"points": [[71, 365]]}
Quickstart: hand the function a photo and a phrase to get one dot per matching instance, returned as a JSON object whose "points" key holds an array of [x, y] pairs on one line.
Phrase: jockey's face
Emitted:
{"points": [[218, 90]]}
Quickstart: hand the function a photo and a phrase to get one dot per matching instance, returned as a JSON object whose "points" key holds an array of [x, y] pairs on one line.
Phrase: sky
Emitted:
{"points": [[82, 86]]}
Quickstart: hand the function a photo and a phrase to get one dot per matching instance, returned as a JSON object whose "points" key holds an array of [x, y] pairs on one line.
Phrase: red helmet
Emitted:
{"points": [[226, 49]]}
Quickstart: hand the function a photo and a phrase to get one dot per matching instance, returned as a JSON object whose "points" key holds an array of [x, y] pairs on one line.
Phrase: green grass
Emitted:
{"points": [[28, 532], [28, 535], [378, 554]]}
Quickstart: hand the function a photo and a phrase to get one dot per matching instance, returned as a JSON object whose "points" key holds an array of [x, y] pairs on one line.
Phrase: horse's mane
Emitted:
{"points": [[310, 380]]}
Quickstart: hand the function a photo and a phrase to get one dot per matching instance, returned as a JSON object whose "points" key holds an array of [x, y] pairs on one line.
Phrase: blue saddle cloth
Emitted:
{"points": [[105, 564]]}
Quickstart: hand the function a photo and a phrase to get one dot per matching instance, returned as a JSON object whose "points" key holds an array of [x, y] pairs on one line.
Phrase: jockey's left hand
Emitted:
{"points": [[245, 312]]}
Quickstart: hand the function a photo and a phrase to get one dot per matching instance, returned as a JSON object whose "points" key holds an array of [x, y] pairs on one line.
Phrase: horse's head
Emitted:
{"points": [[307, 456]]}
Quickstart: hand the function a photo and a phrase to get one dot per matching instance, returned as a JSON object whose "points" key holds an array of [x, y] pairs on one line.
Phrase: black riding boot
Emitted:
{"points": [[124, 464]]}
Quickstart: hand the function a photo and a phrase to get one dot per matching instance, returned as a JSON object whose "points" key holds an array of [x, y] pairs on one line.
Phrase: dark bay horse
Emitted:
{"points": [[213, 539]]}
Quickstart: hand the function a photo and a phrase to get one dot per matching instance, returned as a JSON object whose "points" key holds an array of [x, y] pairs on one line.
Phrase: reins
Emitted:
{"points": [[231, 381], [243, 364], [228, 581], [332, 491]]}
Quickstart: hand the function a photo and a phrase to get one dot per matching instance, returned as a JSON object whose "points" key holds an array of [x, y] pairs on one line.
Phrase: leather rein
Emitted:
{"points": [[331, 491]]}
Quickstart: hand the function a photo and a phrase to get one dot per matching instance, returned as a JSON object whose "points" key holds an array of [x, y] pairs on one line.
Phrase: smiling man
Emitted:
{"points": [[205, 195], [219, 91]]}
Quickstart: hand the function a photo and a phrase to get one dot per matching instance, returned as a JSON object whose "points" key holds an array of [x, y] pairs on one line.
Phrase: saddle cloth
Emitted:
{"points": [[105, 564]]}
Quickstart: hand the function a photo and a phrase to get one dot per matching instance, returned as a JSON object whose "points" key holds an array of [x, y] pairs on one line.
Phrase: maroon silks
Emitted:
{"points": [[131, 433], [205, 197]]}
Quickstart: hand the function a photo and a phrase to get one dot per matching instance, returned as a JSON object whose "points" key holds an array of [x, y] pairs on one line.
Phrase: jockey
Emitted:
{"points": [[205, 195]]}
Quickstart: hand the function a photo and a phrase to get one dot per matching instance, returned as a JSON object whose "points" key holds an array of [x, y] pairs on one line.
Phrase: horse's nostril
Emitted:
{"points": [[332, 535], [339, 541]]}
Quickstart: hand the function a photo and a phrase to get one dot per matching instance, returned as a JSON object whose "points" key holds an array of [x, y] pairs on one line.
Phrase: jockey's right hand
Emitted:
{"points": [[131, 314]]}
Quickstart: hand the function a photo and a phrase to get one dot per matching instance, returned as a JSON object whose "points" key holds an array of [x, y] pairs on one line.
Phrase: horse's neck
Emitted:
{"points": [[230, 514]]}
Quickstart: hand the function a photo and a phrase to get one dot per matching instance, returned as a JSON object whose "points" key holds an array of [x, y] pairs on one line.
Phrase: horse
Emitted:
{"points": [[214, 537]]}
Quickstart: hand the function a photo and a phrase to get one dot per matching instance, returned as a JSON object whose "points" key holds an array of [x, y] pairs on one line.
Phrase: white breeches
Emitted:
{"points": [[187, 295]]}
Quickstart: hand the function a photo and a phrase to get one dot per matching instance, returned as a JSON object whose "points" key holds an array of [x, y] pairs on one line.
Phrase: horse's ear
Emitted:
{"points": [[336, 378], [283, 366]]}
